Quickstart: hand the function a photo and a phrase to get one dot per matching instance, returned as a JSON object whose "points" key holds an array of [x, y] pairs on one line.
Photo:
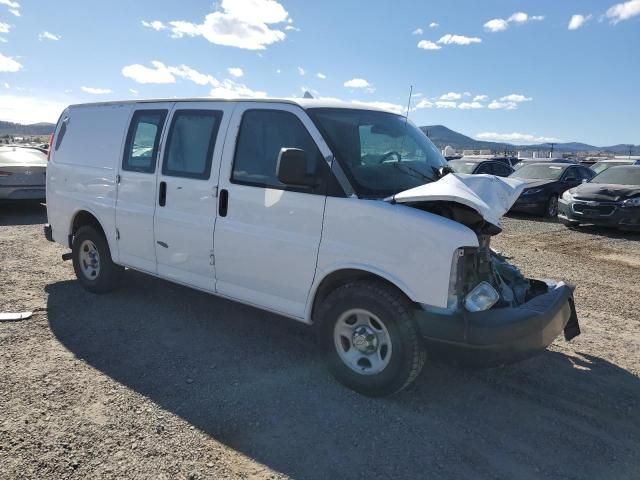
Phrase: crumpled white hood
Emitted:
{"points": [[489, 195]]}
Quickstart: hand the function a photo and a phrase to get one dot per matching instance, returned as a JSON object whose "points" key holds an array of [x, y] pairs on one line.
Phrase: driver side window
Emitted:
{"points": [[571, 175], [377, 147]]}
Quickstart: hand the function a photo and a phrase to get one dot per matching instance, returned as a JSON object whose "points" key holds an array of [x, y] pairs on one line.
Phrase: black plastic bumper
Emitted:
{"points": [[48, 232], [625, 218], [501, 335]]}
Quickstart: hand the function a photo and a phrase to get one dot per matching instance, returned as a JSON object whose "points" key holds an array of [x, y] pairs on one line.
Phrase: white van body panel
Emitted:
{"points": [[267, 245], [82, 173], [410, 248], [184, 226]]}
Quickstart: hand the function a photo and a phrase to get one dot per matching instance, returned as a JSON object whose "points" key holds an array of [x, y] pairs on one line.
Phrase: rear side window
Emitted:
{"points": [[143, 140], [191, 140], [262, 134]]}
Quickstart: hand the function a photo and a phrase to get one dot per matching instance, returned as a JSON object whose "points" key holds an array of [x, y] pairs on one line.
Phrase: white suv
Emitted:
{"points": [[341, 217]]}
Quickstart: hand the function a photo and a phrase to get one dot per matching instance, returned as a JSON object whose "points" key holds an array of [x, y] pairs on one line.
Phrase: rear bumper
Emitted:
{"points": [[501, 335], [22, 192], [48, 232], [627, 218]]}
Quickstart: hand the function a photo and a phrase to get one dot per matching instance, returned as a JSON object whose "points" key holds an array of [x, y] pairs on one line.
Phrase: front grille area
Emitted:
{"points": [[600, 210]]}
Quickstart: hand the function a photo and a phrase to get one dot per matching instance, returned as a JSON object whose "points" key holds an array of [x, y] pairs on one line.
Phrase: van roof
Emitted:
{"points": [[301, 102]]}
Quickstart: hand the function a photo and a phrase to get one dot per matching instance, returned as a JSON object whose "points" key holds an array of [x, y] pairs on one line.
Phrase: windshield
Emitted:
{"points": [[619, 176], [460, 166], [539, 172], [602, 166], [381, 153]]}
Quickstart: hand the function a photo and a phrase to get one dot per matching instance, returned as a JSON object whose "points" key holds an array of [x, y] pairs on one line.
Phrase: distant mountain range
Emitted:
{"points": [[443, 136], [8, 128], [439, 134]]}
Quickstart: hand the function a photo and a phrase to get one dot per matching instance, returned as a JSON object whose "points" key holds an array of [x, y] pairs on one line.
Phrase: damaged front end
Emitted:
{"points": [[493, 311]]}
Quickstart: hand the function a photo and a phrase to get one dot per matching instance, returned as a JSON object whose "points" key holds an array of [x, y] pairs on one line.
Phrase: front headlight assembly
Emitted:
{"points": [[632, 202], [481, 298], [567, 196]]}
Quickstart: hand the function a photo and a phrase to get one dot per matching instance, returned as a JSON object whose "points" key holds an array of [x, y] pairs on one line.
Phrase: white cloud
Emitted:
{"points": [[4, 27], [243, 24], [514, 137], [516, 98], [292, 28], [162, 74], [357, 83], [450, 39], [496, 25], [442, 104], [321, 75], [236, 72], [278, 70], [623, 11], [417, 31], [451, 96], [434, 25], [3, 40], [480, 98], [428, 45], [470, 105], [48, 36], [301, 71], [95, 91], [423, 104], [496, 105], [157, 25], [6, 85], [392, 107], [230, 89], [14, 7], [518, 18], [21, 109], [8, 64], [578, 21], [134, 91]]}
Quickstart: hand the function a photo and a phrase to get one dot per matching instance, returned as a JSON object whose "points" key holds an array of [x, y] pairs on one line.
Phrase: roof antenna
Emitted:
{"points": [[307, 94], [406, 117]]}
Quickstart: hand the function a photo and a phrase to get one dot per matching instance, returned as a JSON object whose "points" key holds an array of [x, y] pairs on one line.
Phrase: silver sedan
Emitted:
{"points": [[23, 173]]}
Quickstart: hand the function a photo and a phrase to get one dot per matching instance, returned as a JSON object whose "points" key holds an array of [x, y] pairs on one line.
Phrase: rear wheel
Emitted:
{"points": [[552, 207], [92, 262], [369, 338]]}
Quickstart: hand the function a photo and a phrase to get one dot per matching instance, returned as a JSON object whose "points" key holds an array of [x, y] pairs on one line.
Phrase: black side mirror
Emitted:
{"points": [[293, 168]]}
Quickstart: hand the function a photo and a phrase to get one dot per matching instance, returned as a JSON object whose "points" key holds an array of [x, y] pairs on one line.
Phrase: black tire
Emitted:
{"points": [[108, 276], [551, 210], [394, 311]]}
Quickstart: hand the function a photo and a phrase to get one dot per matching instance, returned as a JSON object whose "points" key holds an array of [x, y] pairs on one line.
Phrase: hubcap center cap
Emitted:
{"points": [[364, 339]]}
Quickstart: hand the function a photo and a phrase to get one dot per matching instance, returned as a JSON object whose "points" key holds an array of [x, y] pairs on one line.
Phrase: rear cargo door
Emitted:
{"points": [[136, 203], [187, 191]]}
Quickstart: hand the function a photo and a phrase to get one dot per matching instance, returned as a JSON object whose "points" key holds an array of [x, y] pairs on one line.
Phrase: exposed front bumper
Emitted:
{"points": [[535, 204], [501, 335], [608, 214]]}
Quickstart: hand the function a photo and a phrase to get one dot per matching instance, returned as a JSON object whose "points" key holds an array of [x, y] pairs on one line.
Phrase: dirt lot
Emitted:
{"points": [[159, 381]]}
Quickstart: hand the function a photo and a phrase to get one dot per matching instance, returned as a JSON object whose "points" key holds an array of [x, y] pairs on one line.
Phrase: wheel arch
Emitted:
{"points": [[84, 217], [342, 276]]}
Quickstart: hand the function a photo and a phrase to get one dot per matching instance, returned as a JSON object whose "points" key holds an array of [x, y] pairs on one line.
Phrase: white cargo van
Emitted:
{"points": [[340, 217]]}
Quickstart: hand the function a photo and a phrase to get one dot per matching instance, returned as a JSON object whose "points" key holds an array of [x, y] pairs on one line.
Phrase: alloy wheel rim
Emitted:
{"points": [[362, 342], [89, 260]]}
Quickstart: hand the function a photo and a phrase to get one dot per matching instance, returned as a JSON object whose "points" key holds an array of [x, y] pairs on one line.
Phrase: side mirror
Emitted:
{"points": [[293, 168], [584, 180]]}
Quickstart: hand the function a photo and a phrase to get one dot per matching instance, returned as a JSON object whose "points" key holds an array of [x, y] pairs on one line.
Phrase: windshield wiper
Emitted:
{"points": [[413, 172], [442, 171]]}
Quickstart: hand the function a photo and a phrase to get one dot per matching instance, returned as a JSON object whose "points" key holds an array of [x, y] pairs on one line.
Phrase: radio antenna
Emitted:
{"points": [[406, 117]]}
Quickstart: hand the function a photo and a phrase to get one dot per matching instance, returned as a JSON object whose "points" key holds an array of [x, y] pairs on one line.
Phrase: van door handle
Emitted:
{"points": [[223, 203], [162, 196]]}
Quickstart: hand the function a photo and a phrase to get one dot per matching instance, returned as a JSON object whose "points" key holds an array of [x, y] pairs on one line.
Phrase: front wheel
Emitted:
{"points": [[369, 338], [552, 207], [92, 262]]}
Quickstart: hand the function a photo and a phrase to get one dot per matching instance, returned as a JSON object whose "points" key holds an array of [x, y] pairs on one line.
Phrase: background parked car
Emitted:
{"points": [[546, 183], [478, 165], [524, 162], [22, 173], [612, 198], [601, 166]]}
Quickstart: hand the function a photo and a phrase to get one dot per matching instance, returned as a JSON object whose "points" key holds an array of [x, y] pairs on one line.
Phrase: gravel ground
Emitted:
{"points": [[160, 381]]}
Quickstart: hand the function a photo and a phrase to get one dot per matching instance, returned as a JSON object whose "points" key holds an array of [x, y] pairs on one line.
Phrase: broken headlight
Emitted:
{"points": [[481, 298]]}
